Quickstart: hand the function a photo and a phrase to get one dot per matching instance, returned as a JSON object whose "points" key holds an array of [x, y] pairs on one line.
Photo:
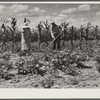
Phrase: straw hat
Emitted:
{"points": [[52, 22]]}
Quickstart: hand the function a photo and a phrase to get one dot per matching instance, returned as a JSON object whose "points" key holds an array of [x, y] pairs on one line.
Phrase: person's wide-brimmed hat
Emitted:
{"points": [[52, 22]]}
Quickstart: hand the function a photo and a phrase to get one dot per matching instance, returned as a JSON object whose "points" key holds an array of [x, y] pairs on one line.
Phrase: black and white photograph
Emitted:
{"points": [[50, 45]]}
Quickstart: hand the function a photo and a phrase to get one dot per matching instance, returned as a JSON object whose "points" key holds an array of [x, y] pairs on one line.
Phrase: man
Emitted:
{"points": [[55, 34], [26, 36]]}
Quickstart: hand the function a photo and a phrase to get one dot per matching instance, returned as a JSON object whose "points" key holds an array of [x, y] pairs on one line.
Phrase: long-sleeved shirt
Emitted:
{"points": [[54, 30]]}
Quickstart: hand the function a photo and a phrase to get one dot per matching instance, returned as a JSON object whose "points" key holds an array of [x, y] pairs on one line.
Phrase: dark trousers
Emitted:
{"points": [[56, 42]]}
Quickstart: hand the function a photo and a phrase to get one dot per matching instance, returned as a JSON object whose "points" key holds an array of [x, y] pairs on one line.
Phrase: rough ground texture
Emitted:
{"points": [[68, 68]]}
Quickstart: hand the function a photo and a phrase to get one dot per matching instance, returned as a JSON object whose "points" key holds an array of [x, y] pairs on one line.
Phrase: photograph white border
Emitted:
{"points": [[15, 93]]}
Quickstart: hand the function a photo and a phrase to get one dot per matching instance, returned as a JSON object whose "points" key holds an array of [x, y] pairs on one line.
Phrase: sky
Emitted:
{"points": [[75, 14]]}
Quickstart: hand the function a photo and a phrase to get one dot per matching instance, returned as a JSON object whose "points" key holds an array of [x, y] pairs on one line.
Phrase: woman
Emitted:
{"points": [[26, 37]]}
